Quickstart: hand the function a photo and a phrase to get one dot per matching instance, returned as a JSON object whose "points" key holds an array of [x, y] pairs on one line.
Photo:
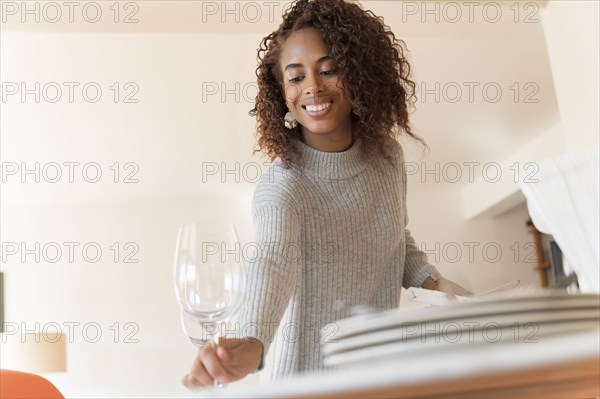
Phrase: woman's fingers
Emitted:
{"points": [[452, 289], [228, 362], [206, 369], [240, 356], [198, 377], [459, 290], [214, 367], [223, 356], [450, 295]]}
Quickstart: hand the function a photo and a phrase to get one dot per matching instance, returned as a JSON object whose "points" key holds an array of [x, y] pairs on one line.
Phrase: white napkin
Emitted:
{"points": [[438, 298], [432, 297], [563, 201]]}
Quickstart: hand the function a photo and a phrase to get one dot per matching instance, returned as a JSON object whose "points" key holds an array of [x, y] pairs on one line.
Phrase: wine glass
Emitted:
{"points": [[209, 278]]}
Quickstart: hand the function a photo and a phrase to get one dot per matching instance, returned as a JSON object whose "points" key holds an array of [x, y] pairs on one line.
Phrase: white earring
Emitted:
{"points": [[289, 121]]}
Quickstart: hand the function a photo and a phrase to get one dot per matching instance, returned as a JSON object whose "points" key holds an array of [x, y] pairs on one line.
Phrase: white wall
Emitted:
{"points": [[480, 254], [170, 134], [573, 41]]}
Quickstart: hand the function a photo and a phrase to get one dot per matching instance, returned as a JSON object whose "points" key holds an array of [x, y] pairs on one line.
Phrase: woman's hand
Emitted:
{"points": [[233, 359], [451, 288], [447, 286]]}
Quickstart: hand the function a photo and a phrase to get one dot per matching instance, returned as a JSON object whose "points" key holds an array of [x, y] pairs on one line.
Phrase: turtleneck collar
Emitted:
{"points": [[331, 165]]}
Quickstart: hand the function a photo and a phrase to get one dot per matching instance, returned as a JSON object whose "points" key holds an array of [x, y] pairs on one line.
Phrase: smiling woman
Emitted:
{"points": [[332, 51], [330, 213]]}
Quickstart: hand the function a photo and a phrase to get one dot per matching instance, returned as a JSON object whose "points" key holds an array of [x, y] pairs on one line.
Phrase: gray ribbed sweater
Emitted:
{"points": [[329, 231]]}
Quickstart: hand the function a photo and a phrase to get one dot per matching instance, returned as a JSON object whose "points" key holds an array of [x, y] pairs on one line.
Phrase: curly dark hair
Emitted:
{"points": [[371, 64]]}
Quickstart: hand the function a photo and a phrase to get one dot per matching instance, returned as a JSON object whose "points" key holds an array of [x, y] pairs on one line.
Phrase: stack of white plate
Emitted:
{"points": [[500, 320]]}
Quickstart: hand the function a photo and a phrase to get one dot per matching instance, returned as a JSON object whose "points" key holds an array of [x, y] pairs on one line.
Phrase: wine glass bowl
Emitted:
{"points": [[209, 278]]}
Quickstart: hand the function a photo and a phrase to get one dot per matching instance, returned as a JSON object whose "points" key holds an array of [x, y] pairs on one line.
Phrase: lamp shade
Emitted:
{"points": [[34, 352]]}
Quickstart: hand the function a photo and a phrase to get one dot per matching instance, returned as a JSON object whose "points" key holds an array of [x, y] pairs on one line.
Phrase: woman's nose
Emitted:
{"points": [[314, 88]]}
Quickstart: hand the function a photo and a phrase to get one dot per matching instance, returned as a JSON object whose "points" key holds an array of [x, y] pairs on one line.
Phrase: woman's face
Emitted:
{"points": [[314, 91]]}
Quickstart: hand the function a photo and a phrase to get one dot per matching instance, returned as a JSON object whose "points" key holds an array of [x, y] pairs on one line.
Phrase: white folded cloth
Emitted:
{"points": [[438, 298], [563, 200], [431, 297]]}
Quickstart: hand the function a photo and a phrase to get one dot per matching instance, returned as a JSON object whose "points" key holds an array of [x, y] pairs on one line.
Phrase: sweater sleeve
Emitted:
{"points": [[272, 270], [416, 265]]}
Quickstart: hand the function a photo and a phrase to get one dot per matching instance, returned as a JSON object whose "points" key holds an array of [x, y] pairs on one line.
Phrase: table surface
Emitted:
{"points": [[565, 366]]}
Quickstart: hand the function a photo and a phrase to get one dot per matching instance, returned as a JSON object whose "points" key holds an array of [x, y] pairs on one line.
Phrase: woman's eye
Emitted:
{"points": [[327, 73], [295, 80]]}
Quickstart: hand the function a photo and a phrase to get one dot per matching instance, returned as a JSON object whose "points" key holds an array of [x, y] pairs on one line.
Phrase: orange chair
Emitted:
{"points": [[20, 385]]}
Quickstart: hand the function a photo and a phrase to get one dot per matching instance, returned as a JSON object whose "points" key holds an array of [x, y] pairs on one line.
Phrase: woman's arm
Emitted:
{"points": [[272, 273]]}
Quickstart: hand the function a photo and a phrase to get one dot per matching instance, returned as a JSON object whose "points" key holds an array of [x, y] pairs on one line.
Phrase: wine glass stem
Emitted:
{"points": [[215, 345]]}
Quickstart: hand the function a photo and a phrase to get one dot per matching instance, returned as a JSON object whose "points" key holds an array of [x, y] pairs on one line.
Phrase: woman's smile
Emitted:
{"points": [[318, 109]]}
